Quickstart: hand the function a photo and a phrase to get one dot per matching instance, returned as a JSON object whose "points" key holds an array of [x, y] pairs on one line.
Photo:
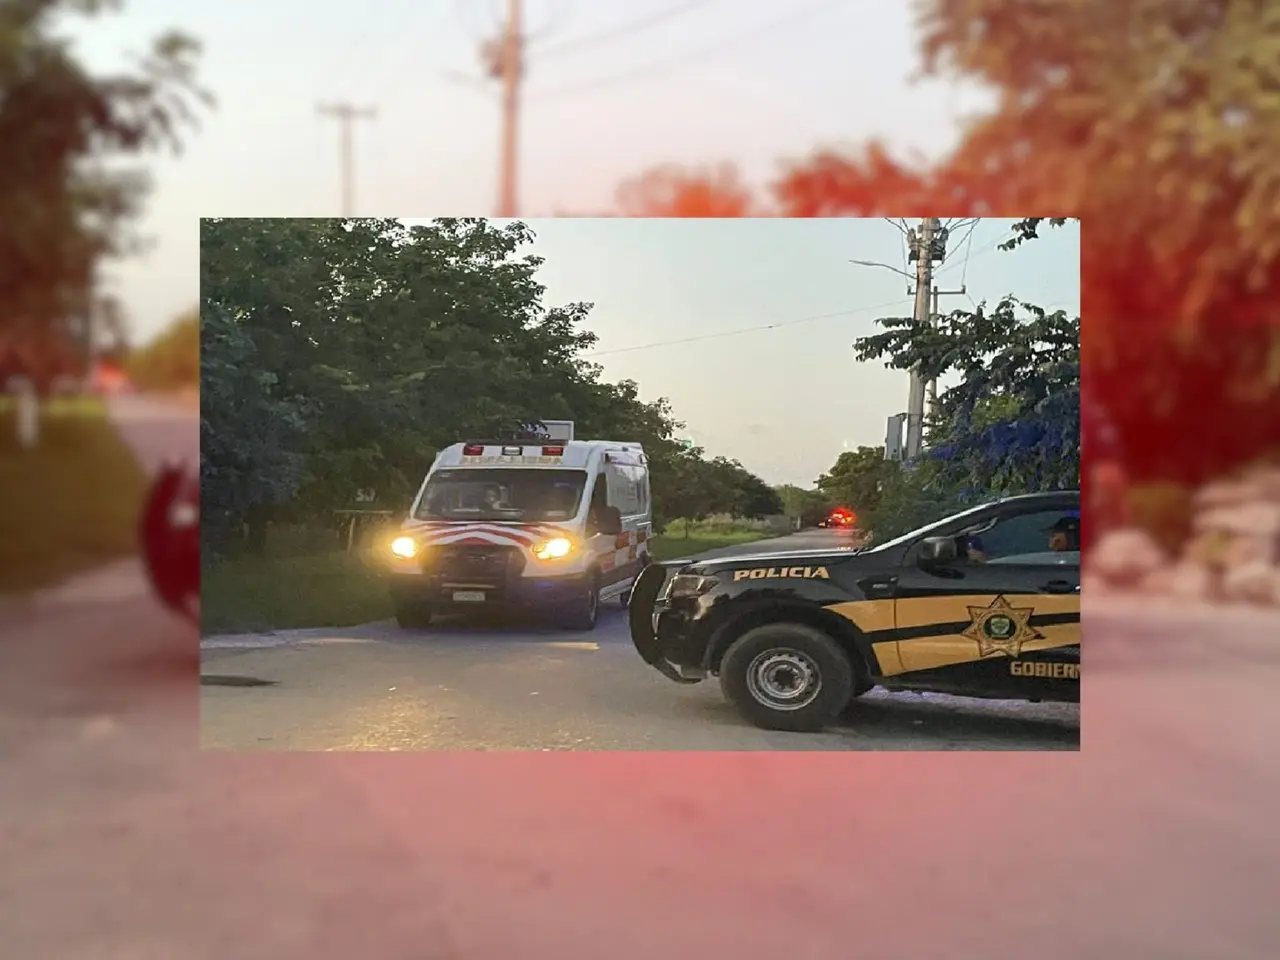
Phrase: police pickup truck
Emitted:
{"points": [[983, 603]]}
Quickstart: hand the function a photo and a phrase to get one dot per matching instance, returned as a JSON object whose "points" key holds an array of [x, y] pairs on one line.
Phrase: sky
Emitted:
{"points": [[679, 307], [611, 90]]}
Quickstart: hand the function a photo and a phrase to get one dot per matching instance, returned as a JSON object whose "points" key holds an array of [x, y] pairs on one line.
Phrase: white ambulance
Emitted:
{"points": [[545, 524]]}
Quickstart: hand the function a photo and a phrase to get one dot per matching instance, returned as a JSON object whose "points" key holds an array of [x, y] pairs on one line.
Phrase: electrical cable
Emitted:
{"points": [[734, 333], [626, 29], [691, 56]]}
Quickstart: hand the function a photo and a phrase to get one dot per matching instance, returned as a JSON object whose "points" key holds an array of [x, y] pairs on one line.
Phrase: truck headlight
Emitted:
{"points": [[553, 549], [688, 585], [406, 548]]}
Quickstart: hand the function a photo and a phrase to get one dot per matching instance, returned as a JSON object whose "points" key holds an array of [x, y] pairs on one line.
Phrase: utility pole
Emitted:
{"points": [[347, 114], [922, 250], [927, 246], [504, 58]]}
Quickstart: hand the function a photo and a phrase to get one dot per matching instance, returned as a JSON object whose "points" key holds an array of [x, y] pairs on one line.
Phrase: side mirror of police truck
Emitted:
{"points": [[610, 521], [934, 550]]}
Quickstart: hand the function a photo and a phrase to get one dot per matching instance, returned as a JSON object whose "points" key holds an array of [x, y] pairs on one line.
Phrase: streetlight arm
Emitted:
{"points": [[871, 263]]}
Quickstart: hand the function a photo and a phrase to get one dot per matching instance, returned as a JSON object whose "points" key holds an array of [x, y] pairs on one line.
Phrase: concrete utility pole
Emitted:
{"points": [[504, 58], [922, 253], [927, 246], [346, 114]]}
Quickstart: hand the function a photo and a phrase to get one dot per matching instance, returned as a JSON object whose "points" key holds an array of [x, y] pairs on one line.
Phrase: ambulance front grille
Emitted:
{"points": [[468, 563]]}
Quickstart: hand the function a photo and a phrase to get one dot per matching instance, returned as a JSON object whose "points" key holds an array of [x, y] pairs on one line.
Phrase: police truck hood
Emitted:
{"points": [[786, 557]]}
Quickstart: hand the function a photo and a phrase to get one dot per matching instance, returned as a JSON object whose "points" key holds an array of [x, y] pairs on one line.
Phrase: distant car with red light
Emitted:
{"points": [[170, 535], [840, 518]]}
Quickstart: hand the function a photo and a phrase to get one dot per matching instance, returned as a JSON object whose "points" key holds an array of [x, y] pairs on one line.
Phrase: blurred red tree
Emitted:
{"points": [[1156, 123]]}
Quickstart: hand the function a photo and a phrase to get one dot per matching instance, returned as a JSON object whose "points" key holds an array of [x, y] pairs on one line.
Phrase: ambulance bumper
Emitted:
{"points": [[511, 593]]}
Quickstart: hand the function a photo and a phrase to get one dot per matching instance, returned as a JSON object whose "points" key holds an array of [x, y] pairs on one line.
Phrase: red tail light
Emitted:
{"points": [[473, 450], [553, 451]]}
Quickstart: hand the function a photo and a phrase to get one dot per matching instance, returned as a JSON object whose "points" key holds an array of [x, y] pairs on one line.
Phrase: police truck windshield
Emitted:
{"points": [[544, 496]]}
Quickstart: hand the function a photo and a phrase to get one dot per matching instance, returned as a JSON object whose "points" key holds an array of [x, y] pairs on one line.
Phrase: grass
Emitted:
{"points": [[72, 405], [336, 589], [671, 547], [71, 502], [249, 594]]}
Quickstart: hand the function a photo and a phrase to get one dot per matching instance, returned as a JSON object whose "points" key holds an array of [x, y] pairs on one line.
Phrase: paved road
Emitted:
{"points": [[156, 430], [1157, 841], [504, 687]]}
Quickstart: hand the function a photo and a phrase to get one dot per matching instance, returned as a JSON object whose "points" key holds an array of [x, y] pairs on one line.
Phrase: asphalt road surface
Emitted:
{"points": [[504, 686], [1156, 842], [157, 431]]}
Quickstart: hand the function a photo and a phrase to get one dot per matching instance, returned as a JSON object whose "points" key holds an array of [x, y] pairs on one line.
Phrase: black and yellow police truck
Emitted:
{"points": [[983, 603]]}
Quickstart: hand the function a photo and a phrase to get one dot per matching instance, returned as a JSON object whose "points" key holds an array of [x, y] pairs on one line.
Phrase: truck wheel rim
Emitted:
{"points": [[784, 679]]}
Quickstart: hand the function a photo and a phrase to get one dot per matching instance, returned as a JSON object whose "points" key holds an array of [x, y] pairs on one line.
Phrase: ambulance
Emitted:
{"points": [[541, 523]]}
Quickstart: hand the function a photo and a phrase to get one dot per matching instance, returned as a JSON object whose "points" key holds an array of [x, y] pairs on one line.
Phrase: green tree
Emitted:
{"points": [[810, 507], [251, 439], [59, 213], [688, 488], [756, 498], [1012, 423], [856, 479], [402, 340], [171, 360]]}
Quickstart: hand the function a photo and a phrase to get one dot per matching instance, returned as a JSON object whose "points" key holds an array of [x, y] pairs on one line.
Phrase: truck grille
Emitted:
{"points": [[467, 563]]}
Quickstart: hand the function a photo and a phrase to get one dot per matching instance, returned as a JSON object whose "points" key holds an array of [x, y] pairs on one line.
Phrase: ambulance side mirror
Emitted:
{"points": [[935, 550], [610, 521]]}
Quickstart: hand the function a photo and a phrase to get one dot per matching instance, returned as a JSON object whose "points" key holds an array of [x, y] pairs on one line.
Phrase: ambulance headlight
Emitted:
{"points": [[553, 549], [406, 548]]}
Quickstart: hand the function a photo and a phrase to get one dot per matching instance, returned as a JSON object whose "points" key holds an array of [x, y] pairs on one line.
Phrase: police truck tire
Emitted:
{"points": [[412, 615], [861, 686], [583, 613], [787, 676]]}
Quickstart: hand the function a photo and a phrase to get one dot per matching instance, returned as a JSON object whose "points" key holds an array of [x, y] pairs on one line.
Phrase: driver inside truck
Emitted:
{"points": [[493, 499], [1064, 535]]}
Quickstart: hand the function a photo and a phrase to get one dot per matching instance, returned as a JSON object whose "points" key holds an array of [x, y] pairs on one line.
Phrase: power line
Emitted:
{"points": [[734, 333], [700, 56], [628, 28], [372, 34], [554, 22]]}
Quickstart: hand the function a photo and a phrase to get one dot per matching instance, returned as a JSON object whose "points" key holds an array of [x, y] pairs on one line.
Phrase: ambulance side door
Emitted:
{"points": [[625, 491], [601, 545]]}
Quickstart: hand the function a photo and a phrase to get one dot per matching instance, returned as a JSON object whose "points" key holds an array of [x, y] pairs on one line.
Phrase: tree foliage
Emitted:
{"points": [[857, 479], [1012, 423], [62, 208], [384, 343], [170, 361], [809, 506], [1154, 122], [251, 437]]}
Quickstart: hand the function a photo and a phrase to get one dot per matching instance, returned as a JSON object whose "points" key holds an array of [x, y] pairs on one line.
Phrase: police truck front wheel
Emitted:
{"points": [[787, 676]]}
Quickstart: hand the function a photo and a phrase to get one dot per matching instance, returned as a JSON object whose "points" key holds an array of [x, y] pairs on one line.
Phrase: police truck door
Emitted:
{"points": [[1004, 616]]}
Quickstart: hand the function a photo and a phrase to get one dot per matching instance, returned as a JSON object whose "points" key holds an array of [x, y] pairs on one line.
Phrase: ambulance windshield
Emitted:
{"points": [[546, 496]]}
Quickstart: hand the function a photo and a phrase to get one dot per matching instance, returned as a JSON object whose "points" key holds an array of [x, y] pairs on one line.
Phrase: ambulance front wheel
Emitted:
{"points": [[583, 612], [412, 614]]}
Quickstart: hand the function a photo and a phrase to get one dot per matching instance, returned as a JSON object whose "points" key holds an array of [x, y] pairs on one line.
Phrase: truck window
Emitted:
{"points": [[625, 488], [599, 500]]}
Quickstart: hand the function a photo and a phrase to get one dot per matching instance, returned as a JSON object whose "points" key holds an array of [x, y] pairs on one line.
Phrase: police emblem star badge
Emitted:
{"points": [[1001, 627]]}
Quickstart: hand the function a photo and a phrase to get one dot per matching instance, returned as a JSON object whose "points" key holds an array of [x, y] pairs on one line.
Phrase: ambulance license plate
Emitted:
{"points": [[468, 596]]}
